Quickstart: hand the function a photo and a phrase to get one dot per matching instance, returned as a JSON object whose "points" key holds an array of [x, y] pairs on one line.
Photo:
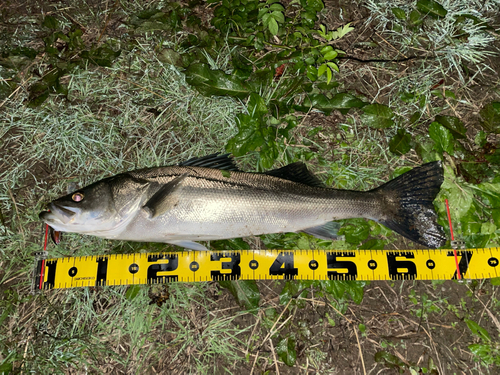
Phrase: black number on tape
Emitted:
{"points": [[233, 265], [333, 263], [283, 265], [401, 269], [171, 264]]}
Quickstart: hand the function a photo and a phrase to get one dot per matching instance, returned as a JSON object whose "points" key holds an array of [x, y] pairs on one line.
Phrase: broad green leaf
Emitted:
{"points": [[286, 351], [315, 5], [273, 26], [483, 352], [377, 116], [356, 289], [415, 18], [312, 73], [453, 124], [477, 330], [490, 117], [355, 231], [50, 22], [432, 8], [292, 288], [442, 137], [400, 143], [215, 82], [341, 101], [246, 292], [341, 31], [399, 13], [278, 16], [266, 18], [424, 147], [169, 56], [333, 66], [331, 55], [322, 70], [495, 281], [329, 76], [249, 137], [132, 292], [256, 105], [390, 360], [277, 7], [460, 197]]}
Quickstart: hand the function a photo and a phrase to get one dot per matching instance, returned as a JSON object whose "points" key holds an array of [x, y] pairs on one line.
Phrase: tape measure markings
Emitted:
{"points": [[192, 266]]}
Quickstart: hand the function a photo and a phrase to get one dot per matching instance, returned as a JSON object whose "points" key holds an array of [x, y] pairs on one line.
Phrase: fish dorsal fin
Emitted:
{"points": [[296, 172], [215, 161], [166, 198]]}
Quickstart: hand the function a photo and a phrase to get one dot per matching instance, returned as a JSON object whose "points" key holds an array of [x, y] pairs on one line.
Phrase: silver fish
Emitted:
{"points": [[210, 199]]}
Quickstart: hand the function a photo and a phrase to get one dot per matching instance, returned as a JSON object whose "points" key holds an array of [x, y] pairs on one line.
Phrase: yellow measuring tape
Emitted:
{"points": [[193, 266]]}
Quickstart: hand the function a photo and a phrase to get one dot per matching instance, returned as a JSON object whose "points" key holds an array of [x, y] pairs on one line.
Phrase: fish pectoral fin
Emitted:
{"points": [[188, 244], [328, 231], [165, 198]]}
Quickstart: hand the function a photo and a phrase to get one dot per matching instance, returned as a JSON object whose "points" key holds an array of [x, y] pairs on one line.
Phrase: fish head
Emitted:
{"points": [[85, 210]]}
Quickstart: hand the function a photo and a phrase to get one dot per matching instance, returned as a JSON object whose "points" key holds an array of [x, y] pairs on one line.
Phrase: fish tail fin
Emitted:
{"points": [[410, 211]]}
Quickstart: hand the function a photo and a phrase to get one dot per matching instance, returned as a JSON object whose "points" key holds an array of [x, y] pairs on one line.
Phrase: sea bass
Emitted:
{"points": [[210, 199]]}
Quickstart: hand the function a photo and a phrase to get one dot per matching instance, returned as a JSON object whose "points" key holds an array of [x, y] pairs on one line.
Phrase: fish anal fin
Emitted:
{"points": [[165, 198], [188, 244], [326, 231], [296, 172]]}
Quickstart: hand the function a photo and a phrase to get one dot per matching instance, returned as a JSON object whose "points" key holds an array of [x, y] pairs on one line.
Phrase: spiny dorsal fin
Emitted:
{"points": [[296, 172], [214, 161]]}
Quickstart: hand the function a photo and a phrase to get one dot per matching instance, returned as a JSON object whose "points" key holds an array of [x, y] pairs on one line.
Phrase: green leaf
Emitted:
{"points": [[415, 18], [277, 7], [315, 5], [490, 117], [278, 16], [453, 124], [495, 281], [256, 105], [399, 13], [286, 351], [432, 8], [273, 26], [246, 292], [390, 360], [341, 101], [132, 292], [400, 143], [377, 116], [355, 231], [50, 22], [215, 82], [477, 330], [329, 76], [169, 56], [322, 70], [331, 55], [460, 197], [312, 73], [443, 138], [333, 66]]}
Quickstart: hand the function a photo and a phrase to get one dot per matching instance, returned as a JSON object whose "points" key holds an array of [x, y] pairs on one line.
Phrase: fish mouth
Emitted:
{"points": [[58, 214]]}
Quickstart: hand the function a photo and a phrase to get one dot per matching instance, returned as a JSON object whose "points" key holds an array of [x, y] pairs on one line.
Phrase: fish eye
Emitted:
{"points": [[77, 197]]}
